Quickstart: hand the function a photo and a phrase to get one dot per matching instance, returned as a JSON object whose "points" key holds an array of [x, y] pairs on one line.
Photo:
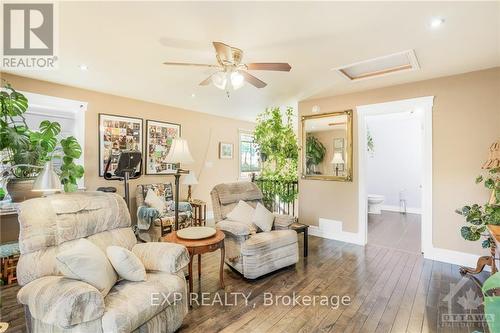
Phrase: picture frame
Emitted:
{"points": [[159, 136], [117, 133], [226, 150]]}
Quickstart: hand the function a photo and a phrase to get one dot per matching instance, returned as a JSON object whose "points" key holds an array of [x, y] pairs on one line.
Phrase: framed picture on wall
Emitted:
{"points": [[226, 150], [117, 133], [159, 136]]}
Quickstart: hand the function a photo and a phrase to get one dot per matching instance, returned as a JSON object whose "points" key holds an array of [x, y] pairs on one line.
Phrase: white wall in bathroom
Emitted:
{"points": [[395, 165]]}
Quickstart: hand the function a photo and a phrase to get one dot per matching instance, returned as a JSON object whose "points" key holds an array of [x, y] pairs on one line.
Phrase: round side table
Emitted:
{"points": [[198, 247]]}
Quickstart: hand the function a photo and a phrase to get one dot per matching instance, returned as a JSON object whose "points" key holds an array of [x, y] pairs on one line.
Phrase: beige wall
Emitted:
{"points": [[202, 131], [466, 120]]}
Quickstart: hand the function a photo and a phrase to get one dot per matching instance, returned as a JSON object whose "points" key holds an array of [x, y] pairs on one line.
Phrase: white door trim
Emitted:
{"points": [[421, 103]]}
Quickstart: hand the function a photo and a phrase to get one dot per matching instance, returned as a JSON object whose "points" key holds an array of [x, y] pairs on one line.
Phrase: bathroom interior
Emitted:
{"points": [[394, 178]]}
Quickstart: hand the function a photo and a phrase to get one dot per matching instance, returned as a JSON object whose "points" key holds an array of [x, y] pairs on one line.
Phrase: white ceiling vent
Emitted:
{"points": [[393, 63]]}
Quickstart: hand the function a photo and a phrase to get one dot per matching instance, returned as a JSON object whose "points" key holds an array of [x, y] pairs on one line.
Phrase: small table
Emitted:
{"points": [[199, 212], [299, 227], [198, 247]]}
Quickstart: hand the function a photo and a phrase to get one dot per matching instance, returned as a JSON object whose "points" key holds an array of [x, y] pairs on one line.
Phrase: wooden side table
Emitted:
{"points": [[199, 212], [302, 228], [198, 247]]}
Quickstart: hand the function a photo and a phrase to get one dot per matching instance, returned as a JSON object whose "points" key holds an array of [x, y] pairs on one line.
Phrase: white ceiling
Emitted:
{"points": [[125, 43]]}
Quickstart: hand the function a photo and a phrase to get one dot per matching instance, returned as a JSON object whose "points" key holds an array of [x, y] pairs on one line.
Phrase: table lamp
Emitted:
{"points": [[178, 154], [337, 159], [189, 180], [46, 181]]}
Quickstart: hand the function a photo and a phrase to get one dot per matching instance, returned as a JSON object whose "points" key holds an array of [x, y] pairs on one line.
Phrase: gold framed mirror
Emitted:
{"points": [[327, 146]]}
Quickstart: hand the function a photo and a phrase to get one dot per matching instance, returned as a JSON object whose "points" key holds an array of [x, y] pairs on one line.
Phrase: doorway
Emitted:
{"points": [[391, 215]]}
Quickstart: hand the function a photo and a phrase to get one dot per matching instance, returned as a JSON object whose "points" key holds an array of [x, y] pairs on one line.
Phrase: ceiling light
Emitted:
{"points": [[219, 80], [193, 95], [84, 67], [237, 80], [436, 22]]}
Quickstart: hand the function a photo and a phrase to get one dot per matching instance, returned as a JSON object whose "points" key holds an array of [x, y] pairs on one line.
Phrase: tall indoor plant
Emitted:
{"points": [[279, 150], [315, 153], [21, 145]]}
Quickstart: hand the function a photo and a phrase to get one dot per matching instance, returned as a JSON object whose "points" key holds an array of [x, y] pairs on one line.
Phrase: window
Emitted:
{"points": [[69, 113], [249, 156]]}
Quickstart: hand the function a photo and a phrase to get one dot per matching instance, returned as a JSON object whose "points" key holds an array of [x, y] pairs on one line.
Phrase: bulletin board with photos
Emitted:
{"points": [[159, 137], [117, 133]]}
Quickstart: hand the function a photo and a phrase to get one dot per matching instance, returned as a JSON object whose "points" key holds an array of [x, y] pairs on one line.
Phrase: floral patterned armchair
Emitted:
{"points": [[160, 223]]}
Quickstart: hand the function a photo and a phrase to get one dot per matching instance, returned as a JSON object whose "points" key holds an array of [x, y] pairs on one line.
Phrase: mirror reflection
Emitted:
{"points": [[327, 146]]}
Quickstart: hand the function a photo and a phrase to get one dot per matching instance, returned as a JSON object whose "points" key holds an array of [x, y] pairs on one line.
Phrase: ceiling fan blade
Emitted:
{"points": [[253, 80], [224, 52], [188, 64], [207, 81], [269, 66]]}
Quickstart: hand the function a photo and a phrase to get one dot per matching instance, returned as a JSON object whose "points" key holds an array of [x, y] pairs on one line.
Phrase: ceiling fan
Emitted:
{"points": [[231, 72]]}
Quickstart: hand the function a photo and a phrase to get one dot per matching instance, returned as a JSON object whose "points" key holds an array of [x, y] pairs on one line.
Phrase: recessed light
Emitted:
{"points": [[193, 95], [84, 67], [437, 22]]}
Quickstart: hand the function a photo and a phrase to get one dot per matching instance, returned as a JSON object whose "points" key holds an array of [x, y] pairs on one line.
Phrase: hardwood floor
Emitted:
{"points": [[390, 291], [395, 230]]}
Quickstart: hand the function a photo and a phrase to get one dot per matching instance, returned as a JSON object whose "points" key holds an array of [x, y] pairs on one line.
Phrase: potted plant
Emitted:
{"points": [[477, 216], [315, 153], [23, 148]]}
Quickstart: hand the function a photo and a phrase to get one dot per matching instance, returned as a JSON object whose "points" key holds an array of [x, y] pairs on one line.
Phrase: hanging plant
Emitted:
{"points": [[369, 142]]}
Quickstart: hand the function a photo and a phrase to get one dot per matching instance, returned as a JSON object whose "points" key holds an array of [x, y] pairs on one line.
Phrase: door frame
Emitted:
{"points": [[424, 104]]}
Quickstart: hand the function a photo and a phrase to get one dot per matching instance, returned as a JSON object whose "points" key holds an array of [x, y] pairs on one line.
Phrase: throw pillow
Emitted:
{"points": [[263, 218], [86, 262], [126, 263], [153, 201], [243, 213]]}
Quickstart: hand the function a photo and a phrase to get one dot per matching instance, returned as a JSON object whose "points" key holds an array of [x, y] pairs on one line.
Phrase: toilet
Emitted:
{"points": [[375, 203]]}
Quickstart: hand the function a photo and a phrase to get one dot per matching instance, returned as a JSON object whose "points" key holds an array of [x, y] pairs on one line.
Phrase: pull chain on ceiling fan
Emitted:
{"points": [[231, 73]]}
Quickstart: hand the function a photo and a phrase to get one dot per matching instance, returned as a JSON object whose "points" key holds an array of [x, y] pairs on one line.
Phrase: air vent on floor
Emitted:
{"points": [[393, 63]]}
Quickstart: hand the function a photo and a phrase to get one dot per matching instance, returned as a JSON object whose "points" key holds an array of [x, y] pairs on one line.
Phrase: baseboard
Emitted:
{"points": [[332, 229], [398, 209], [453, 257]]}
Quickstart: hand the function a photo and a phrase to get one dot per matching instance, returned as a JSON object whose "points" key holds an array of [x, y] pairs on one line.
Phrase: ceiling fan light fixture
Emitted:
{"points": [[219, 80], [237, 80]]}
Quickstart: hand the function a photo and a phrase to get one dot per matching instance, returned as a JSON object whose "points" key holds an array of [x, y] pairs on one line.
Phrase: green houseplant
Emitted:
{"points": [[21, 145], [279, 150], [315, 153], [478, 216]]}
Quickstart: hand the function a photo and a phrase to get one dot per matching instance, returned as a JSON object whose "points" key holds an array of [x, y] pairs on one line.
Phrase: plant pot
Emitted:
{"points": [[20, 189]]}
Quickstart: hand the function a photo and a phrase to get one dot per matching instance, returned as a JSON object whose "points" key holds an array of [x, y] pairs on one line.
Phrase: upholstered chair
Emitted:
{"points": [[253, 254], [55, 303], [159, 223]]}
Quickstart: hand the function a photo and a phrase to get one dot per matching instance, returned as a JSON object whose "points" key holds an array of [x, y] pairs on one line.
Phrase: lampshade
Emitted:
{"points": [[47, 180], [219, 80], [190, 179], [237, 80], [337, 158], [179, 152], [494, 157]]}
